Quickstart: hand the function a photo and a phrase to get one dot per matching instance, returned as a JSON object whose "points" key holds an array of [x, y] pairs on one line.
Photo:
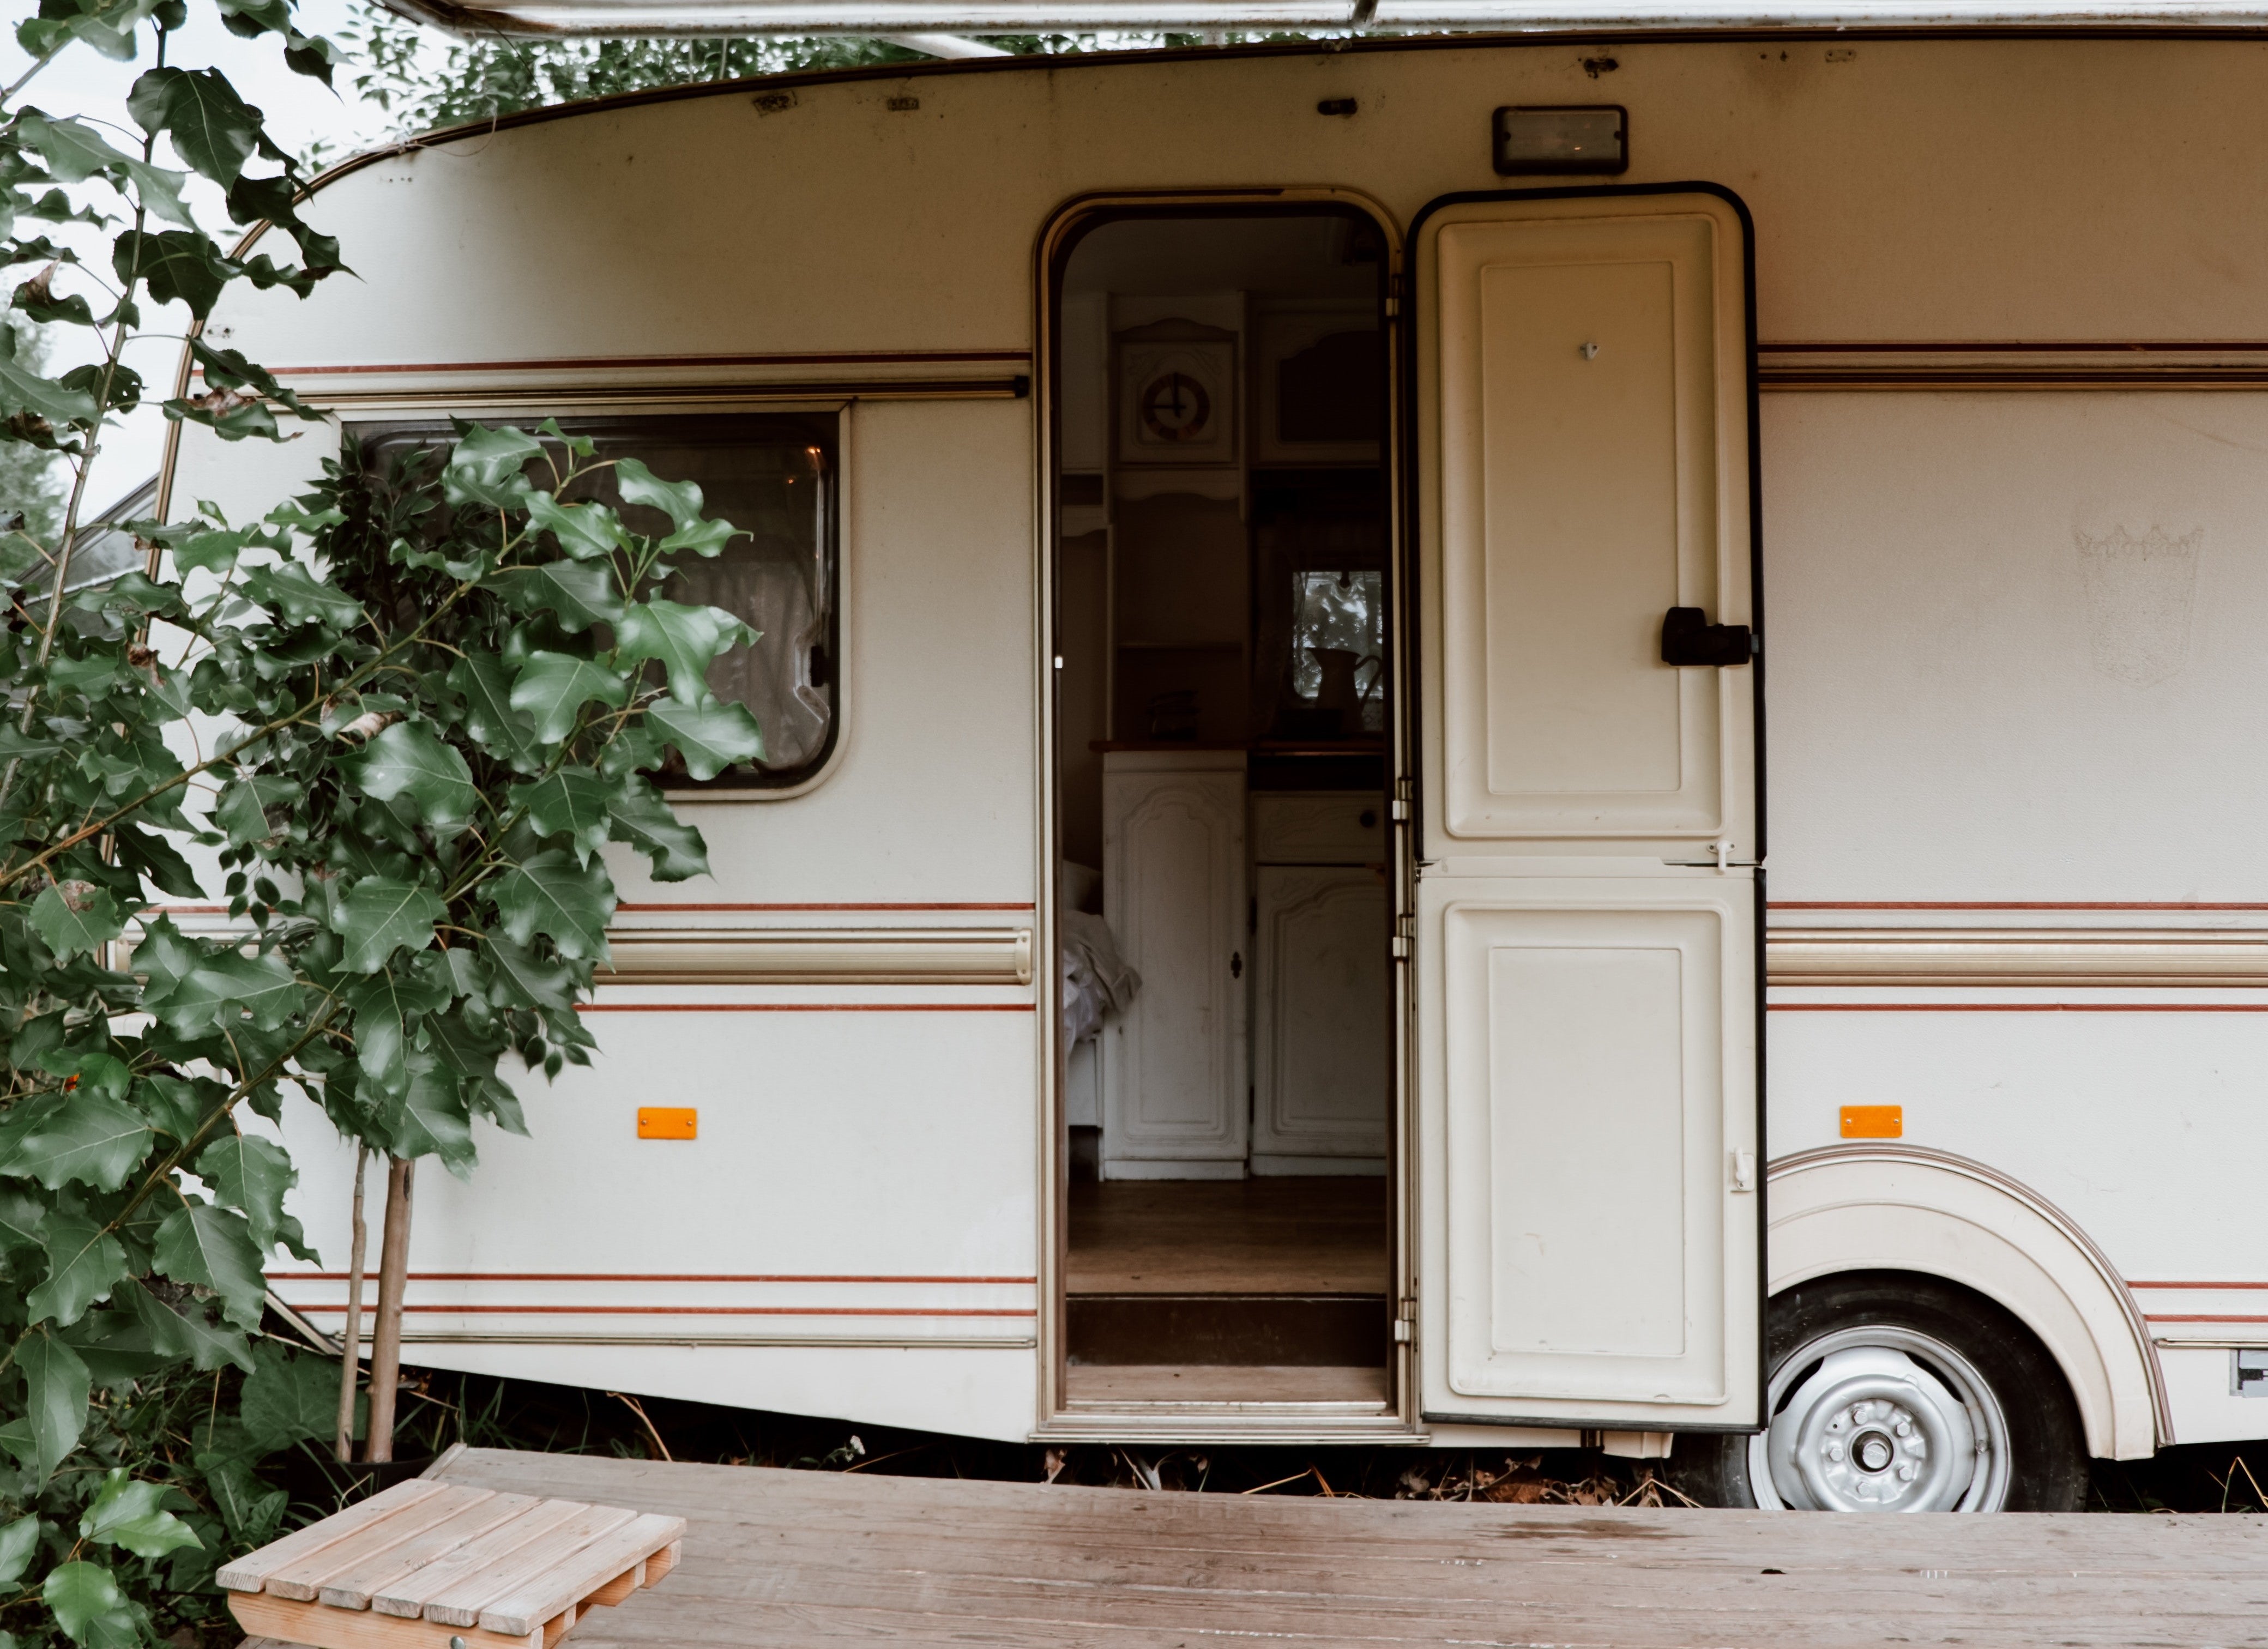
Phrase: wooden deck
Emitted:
{"points": [[784, 1559]]}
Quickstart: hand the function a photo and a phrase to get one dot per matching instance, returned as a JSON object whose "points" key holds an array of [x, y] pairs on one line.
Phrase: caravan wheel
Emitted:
{"points": [[1891, 1392]]}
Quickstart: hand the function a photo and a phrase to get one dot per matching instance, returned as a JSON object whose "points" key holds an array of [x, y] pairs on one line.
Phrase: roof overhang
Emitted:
{"points": [[902, 18]]}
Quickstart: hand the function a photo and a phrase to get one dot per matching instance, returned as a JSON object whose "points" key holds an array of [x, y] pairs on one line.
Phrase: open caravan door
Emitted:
{"points": [[1589, 897]]}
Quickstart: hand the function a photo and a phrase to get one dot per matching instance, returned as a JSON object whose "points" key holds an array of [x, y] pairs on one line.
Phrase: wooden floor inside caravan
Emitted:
{"points": [[1218, 1293], [1290, 1236]]}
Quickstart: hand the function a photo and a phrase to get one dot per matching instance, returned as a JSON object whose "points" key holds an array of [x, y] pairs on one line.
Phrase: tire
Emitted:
{"points": [[1891, 1392]]}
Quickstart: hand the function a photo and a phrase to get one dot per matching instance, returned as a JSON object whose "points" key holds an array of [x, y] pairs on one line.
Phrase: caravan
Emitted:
{"points": [[1471, 741]]}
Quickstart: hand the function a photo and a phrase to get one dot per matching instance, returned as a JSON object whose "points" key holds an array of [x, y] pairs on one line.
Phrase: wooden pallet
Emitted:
{"points": [[435, 1566]]}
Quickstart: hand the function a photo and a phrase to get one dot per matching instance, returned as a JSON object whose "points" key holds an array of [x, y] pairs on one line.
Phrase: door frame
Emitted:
{"points": [[1410, 479], [1058, 235]]}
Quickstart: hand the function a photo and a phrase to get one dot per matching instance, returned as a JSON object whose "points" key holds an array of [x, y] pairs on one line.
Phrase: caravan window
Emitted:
{"points": [[772, 475]]}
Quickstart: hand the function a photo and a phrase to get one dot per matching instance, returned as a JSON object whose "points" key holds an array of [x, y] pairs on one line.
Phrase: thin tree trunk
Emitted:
{"points": [[386, 1347], [350, 1364]]}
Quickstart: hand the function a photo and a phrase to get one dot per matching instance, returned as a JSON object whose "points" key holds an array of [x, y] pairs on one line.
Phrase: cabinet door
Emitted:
{"points": [[1588, 905], [1174, 1104], [1320, 1004]]}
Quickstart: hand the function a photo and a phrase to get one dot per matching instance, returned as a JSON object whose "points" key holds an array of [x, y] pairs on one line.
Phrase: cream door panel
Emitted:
{"points": [[1587, 1148], [1174, 1102], [1321, 996], [1584, 405], [1588, 1079]]}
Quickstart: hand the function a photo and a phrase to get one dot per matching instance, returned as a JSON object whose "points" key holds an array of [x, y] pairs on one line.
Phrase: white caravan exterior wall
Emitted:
{"points": [[2014, 586]]}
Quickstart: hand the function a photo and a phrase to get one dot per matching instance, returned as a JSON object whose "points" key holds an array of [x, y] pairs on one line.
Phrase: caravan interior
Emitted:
{"points": [[1223, 650]]}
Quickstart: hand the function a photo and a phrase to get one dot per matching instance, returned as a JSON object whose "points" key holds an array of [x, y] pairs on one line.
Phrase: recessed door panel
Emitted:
{"points": [[1592, 475], [1587, 1148], [1589, 908]]}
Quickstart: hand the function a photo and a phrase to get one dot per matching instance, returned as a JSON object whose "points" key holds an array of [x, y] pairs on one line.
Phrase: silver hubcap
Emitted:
{"points": [[1880, 1419]]}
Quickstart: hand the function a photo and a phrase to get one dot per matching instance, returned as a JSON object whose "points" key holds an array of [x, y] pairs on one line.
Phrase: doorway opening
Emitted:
{"points": [[1223, 712]]}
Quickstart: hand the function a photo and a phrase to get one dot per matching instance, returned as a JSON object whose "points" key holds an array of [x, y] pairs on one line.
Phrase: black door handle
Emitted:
{"points": [[1689, 638]]}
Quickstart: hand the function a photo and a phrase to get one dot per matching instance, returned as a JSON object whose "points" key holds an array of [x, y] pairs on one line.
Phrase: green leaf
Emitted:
{"points": [[680, 500], [226, 986], [553, 895], [382, 916], [73, 150], [213, 130], [56, 1388], [212, 551], [34, 396], [685, 639], [289, 1398], [83, 1263], [572, 800], [85, 921], [553, 688], [252, 1512], [211, 1247], [98, 1074], [706, 539], [585, 531], [294, 591], [637, 813], [21, 1217], [523, 976], [431, 1119], [88, 1605], [180, 265], [239, 812], [711, 736], [487, 467], [386, 1008], [249, 1175], [484, 681], [581, 592], [160, 191], [19, 1541], [133, 1515], [409, 758], [87, 1138], [176, 1333]]}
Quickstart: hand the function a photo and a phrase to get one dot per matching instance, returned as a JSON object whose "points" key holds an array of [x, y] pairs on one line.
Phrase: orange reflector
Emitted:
{"points": [[668, 1121], [1874, 1122]]}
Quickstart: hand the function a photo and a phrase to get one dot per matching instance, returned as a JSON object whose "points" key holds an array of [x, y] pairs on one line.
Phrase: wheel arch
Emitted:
{"points": [[1906, 1208]]}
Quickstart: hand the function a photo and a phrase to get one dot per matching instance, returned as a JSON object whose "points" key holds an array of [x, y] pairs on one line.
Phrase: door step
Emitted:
{"points": [[1302, 1331]]}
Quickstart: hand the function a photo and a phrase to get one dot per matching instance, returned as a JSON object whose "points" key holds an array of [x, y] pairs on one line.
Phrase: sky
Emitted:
{"points": [[300, 111]]}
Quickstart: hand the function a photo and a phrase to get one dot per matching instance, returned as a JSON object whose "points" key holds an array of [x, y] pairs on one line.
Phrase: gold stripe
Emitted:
{"points": [[2011, 956], [793, 956]]}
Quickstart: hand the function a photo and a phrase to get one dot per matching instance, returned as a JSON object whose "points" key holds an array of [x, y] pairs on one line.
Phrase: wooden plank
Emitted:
{"points": [[250, 1572], [460, 1604], [302, 1580], [321, 1627], [621, 1587], [560, 1625], [663, 1561], [576, 1577], [408, 1595], [353, 1587], [817, 1560]]}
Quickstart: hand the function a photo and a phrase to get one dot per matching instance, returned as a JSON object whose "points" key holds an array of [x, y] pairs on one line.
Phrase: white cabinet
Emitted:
{"points": [[1320, 1071], [1174, 1102], [1321, 1003]]}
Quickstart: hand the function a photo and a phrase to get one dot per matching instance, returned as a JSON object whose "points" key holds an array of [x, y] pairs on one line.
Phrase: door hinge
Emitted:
{"points": [[1392, 295], [1405, 1318], [1405, 930], [1402, 789]]}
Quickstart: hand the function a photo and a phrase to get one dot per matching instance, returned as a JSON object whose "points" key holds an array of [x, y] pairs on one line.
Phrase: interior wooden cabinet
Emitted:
{"points": [[1218, 398]]}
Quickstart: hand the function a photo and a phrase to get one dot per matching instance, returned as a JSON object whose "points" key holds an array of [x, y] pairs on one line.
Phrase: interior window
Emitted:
{"points": [[772, 475]]}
